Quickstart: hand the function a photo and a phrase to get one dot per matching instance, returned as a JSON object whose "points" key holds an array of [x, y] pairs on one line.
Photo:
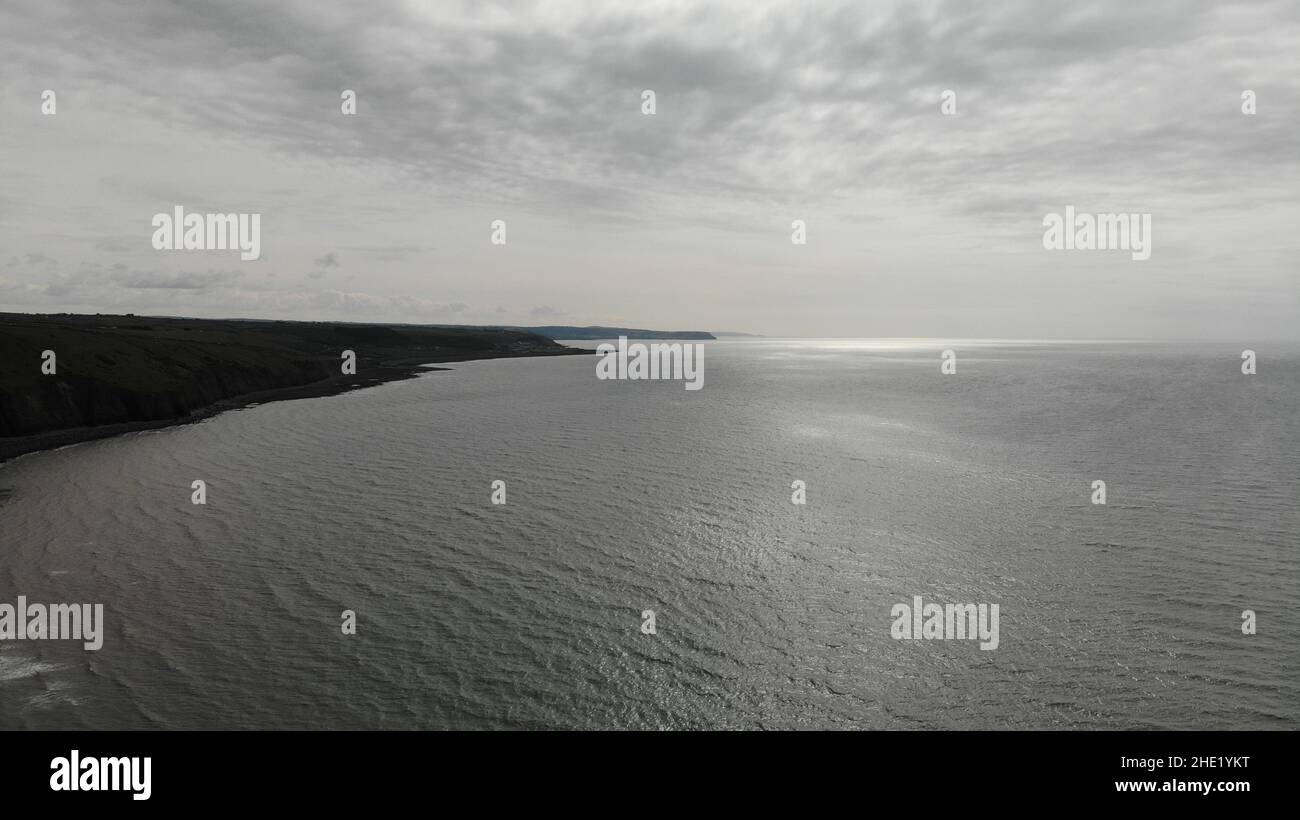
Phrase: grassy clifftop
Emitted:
{"points": [[114, 370]]}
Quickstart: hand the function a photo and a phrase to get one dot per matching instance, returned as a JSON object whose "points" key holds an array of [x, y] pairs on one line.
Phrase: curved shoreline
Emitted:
{"points": [[13, 447]]}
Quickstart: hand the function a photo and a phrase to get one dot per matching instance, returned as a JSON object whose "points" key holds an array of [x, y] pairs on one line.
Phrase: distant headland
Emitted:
{"points": [[595, 332]]}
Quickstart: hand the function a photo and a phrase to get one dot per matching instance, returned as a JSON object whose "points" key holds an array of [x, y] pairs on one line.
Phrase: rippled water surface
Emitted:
{"points": [[626, 496]]}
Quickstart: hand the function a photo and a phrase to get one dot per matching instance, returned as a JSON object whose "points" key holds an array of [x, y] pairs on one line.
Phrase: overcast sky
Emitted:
{"points": [[918, 224]]}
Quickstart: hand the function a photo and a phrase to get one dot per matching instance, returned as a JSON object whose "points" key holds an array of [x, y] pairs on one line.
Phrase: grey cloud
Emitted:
{"points": [[389, 252], [765, 112], [323, 263], [821, 99], [157, 280], [29, 261]]}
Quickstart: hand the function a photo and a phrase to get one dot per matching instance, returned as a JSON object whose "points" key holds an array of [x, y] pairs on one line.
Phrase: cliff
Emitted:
{"points": [[125, 370]]}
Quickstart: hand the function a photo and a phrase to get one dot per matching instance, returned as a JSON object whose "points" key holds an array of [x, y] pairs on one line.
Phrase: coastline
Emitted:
{"points": [[13, 447]]}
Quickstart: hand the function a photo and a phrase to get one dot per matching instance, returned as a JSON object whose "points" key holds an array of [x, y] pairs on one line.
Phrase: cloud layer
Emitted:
{"points": [[918, 223]]}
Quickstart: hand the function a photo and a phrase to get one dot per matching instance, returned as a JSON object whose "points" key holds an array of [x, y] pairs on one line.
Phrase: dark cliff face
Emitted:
{"points": [[114, 369], [81, 401]]}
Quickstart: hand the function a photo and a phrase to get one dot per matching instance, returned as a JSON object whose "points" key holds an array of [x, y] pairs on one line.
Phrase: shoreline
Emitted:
{"points": [[14, 447]]}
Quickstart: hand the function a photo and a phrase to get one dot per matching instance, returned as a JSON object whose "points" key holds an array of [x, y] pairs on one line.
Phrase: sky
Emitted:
{"points": [[918, 223]]}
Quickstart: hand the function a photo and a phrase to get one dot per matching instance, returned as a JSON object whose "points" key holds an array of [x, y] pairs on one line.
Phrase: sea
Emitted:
{"points": [[1173, 605]]}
